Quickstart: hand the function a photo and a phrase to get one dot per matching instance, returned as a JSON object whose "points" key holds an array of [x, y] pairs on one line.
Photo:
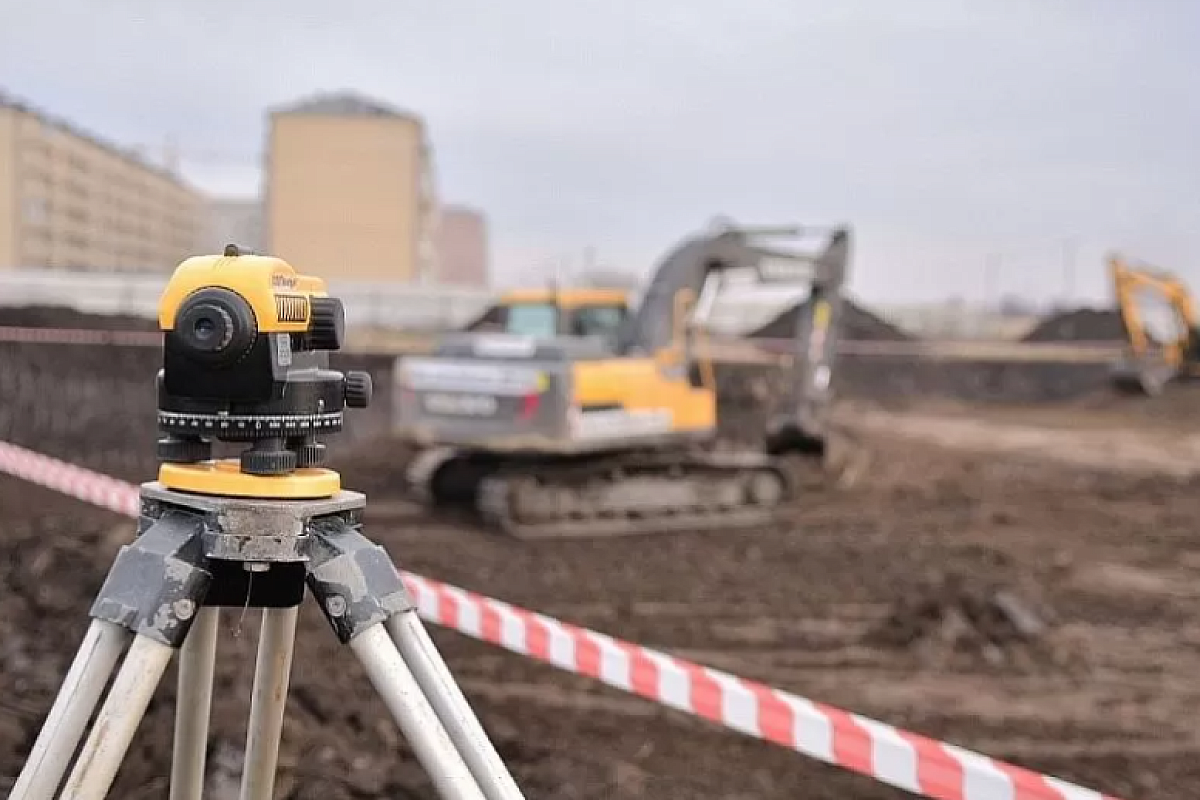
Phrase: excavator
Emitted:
{"points": [[542, 431], [1155, 356]]}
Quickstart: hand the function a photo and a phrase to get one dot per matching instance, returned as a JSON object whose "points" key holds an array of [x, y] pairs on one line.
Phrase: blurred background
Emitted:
{"points": [[989, 155], [999, 550]]}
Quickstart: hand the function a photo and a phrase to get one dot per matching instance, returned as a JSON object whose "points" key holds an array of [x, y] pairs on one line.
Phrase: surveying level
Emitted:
{"points": [[246, 344], [245, 359]]}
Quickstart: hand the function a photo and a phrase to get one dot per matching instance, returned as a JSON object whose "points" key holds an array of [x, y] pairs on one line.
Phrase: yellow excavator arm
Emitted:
{"points": [[1152, 360]]}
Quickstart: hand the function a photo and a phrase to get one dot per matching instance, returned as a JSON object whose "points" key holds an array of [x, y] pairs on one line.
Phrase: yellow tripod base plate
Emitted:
{"points": [[225, 477]]}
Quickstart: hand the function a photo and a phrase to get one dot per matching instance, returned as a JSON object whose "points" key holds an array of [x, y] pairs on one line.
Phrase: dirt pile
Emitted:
{"points": [[1079, 325], [62, 317], [959, 617], [858, 324]]}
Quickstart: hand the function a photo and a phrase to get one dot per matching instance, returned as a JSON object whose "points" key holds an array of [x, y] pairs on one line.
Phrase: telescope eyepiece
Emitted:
{"points": [[216, 326]]}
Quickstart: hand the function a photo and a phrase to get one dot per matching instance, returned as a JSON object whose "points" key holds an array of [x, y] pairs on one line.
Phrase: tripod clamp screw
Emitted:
{"points": [[335, 605]]}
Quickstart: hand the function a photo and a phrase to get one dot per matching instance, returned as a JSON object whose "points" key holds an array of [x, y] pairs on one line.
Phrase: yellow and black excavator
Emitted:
{"points": [[548, 428], [1156, 355]]}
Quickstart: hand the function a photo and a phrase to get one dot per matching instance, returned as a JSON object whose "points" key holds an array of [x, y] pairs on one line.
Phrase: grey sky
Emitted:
{"points": [[944, 131]]}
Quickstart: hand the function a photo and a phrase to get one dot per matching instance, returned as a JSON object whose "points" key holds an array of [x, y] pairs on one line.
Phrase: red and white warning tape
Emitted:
{"points": [[78, 336], [890, 755]]}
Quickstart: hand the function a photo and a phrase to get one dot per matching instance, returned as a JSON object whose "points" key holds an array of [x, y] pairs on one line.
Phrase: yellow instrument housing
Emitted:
{"points": [[274, 290]]}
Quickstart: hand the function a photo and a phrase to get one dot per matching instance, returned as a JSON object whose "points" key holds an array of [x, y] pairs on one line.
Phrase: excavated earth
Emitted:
{"points": [[1020, 581]]}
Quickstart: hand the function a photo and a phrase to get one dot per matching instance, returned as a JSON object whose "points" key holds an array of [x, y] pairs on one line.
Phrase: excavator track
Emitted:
{"points": [[616, 495]]}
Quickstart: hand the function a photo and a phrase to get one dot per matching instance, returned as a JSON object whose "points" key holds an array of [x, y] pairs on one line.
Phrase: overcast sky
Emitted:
{"points": [[946, 132]]}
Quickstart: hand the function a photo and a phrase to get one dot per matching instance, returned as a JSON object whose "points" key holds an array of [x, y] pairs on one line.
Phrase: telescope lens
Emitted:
{"points": [[216, 323], [205, 328], [210, 329]]}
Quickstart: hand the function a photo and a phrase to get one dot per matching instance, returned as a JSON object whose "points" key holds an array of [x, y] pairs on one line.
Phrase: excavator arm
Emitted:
{"points": [[798, 418], [800, 421], [1153, 361]]}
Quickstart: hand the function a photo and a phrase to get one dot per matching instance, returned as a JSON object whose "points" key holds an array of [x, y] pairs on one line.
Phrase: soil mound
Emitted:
{"points": [[1079, 325], [859, 324], [954, 617], [62, 317]]}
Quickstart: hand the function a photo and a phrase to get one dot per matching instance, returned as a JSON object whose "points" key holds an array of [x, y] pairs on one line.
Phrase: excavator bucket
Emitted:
{"points": [[800, 422], [1141, 379]]}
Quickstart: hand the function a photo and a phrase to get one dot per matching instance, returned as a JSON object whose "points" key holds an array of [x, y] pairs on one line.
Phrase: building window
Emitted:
{"points": [[36, 211]]}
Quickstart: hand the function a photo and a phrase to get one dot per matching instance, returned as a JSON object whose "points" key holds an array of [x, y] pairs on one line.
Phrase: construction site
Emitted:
{"points": [[997, 551]]}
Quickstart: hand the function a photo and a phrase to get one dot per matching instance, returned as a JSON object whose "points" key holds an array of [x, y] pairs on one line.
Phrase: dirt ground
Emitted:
{"points": [[1018, 580], [878, 596]]}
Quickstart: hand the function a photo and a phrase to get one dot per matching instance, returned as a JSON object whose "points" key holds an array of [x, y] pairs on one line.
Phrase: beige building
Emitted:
{"points": [[71, 201], [349, 189], [462, 247]]}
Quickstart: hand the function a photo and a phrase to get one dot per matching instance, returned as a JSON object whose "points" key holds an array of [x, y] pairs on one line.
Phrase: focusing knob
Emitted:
{"points": [[358, 389], [327, 324]]}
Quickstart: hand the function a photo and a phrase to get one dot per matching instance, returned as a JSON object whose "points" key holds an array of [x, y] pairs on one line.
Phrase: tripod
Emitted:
{"points": [[194, 554]]}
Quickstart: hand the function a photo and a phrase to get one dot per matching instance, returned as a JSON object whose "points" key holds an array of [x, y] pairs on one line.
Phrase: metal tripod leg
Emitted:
{"points": [[276, 644], [452, 708], [118, 720], [193, 706], [359, 588], [415, 716], [153, 588], [77, 698]]}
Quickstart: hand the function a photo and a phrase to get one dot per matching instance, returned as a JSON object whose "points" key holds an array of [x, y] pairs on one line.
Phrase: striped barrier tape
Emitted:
{"points": [[731, 350], [80, 336], [892, 756]]}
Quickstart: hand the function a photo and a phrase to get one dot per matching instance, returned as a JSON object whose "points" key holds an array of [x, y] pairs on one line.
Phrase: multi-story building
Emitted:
{"points": [[69, 200], [462, 247], [349, 189]]}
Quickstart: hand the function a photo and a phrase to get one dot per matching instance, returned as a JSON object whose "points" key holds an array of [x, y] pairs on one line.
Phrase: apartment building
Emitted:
{"points": [[71, 201], [462, 247], [349, 189]]}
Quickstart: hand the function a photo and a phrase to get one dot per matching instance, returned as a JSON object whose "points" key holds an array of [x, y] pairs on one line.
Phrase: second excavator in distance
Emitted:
{"points": [[548, 430], [1161, 349]]}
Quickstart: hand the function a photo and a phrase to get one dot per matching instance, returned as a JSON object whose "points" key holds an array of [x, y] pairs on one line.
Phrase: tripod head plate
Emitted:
{"points": [[225, 477]]}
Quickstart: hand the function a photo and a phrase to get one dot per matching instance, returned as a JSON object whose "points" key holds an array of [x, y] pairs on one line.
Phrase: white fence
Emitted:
{"points": [[416, 307], [411, 307]]}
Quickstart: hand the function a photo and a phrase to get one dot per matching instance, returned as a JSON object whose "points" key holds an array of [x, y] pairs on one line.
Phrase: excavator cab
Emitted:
{"points": [[553, 312], [1159, 318]]}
